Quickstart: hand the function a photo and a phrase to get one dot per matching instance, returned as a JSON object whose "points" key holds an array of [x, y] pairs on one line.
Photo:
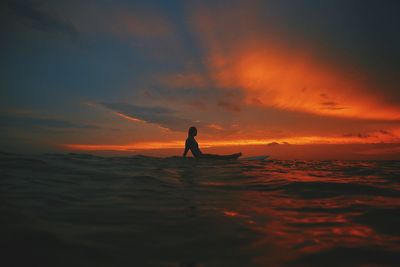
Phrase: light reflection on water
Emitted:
{"points": [[140, 211]]}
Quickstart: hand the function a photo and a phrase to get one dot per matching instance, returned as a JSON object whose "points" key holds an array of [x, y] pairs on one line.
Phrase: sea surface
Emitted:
{"points": [[84, 210]]}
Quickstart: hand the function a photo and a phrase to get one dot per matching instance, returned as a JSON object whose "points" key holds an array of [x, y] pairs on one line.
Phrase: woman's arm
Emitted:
{"points": [[186, 149]]}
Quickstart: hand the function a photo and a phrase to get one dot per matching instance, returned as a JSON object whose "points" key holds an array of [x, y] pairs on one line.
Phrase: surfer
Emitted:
{"points": [[192, 145]]}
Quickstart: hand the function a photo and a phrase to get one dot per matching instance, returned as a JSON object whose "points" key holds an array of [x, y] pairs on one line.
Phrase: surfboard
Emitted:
{"points": [[219, 157], [261, 157]]}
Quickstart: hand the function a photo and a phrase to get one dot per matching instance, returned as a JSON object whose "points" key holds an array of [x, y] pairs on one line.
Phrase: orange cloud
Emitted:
{"points": [[130, 118], [273, 73], [296, 82], [215, 127]]}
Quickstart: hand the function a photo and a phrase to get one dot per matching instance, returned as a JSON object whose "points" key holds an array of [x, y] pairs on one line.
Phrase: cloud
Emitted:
{"points": [[359, 135], [379, 136], [331, 105], [33, 15], [274, 144], [229, 105], [385, 132], [183, 80], [200, 105], [215, 127], [31, 121], [200, 98], [143, 26], [243, 50], [164, 117], [140, 23]]}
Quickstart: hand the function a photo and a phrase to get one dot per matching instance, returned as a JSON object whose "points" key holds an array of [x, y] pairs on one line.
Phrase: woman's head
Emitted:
{"points": [[192, 131]]}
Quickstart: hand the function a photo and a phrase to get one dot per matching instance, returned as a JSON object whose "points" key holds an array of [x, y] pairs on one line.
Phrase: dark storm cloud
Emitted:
{"points": [[7, 121], [161, 116], [33, 15]]}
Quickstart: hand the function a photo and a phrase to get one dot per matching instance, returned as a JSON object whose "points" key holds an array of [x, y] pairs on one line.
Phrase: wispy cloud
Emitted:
{"points": [[379, 136], [22, 121], [164, 117], [229, 105], [183, 80], [33, 15], [201, 98]]}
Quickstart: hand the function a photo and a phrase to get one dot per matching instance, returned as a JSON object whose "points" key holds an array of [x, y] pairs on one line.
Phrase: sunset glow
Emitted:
{"points": [[299, 140], [274, 74], [288, 82], [253, 74]]}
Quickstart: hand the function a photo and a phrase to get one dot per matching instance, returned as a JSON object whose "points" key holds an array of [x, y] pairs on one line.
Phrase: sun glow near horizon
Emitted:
{"points": [[174, 144]]}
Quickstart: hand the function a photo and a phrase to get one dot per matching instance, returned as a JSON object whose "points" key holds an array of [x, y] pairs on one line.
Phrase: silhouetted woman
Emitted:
{"points": [[192, 145]]}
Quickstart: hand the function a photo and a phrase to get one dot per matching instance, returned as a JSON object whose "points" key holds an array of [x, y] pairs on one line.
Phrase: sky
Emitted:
{"points": [[294, 79]]}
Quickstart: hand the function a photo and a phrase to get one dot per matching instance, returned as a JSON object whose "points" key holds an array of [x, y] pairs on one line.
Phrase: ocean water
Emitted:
{"points": [[84, 210]]}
